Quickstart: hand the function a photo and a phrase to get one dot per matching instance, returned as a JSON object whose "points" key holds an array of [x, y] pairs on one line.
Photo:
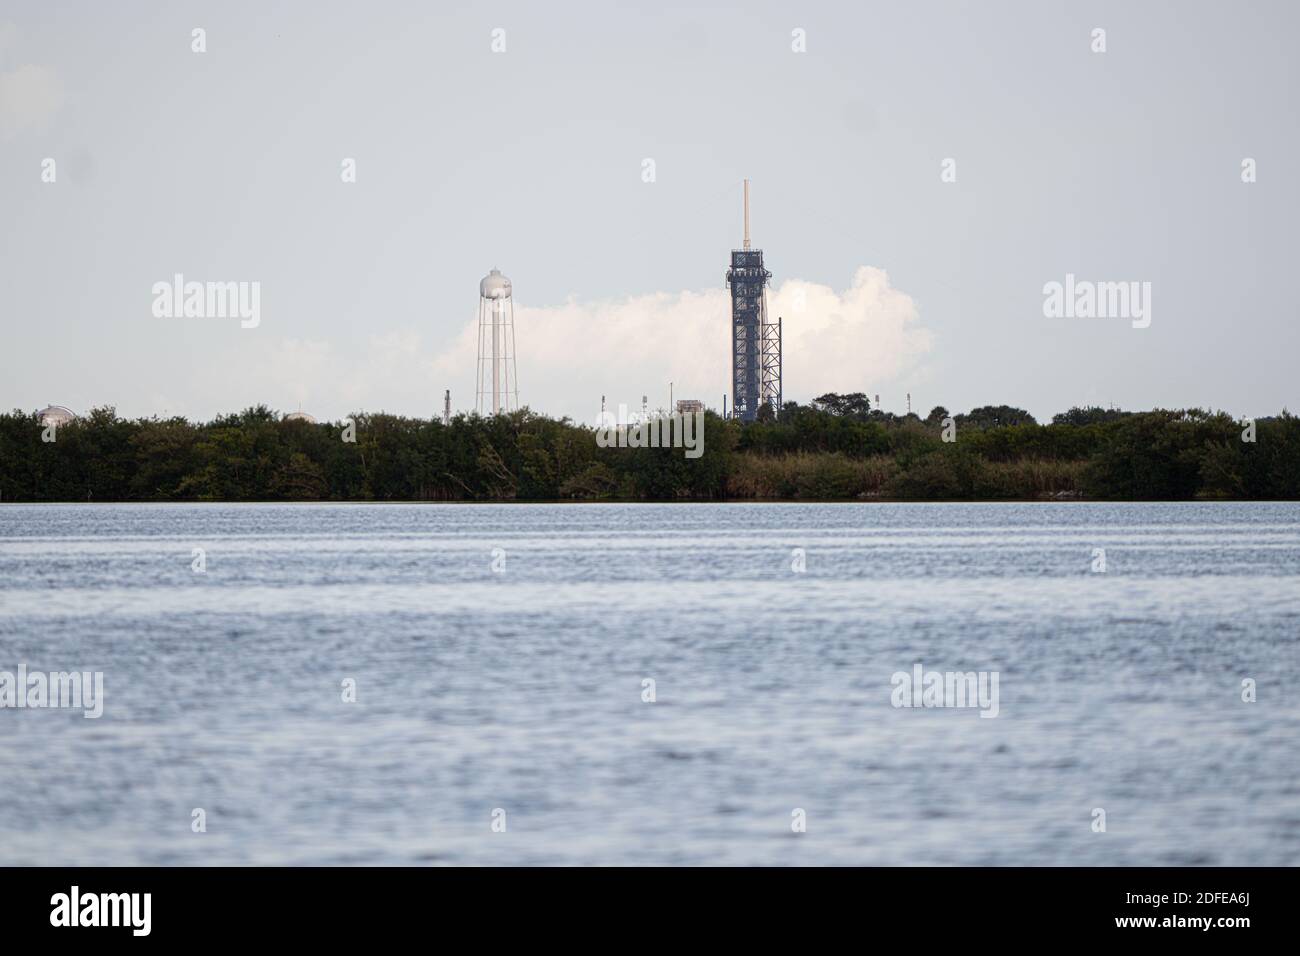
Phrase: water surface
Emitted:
{"points": [[520, 688]]}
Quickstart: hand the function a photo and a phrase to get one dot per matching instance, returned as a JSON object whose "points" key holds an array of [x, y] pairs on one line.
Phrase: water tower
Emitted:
{"points": [[498, 388]]}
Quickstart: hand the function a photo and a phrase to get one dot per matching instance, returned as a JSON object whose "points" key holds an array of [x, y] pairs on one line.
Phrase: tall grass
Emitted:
{"points": [[824, 475], [831, 475]]}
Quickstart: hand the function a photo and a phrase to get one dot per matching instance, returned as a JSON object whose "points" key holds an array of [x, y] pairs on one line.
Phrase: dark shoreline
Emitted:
{"points": [[678, 501], [836, 450]]}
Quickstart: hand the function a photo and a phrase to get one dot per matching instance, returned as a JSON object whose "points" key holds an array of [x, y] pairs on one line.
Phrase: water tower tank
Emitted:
{"points": [[494, 286], [55, 415]]}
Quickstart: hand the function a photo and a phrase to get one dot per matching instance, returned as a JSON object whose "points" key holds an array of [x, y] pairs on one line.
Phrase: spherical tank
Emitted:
{"points": [[494, 286]]}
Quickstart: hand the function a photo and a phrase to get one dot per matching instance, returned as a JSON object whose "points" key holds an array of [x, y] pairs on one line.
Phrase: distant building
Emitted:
{"points": [[300, 417], [690, 406], [56, 415]]}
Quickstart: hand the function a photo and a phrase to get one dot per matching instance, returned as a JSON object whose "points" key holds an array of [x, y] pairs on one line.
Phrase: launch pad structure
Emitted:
{"points": [[755, 339]]}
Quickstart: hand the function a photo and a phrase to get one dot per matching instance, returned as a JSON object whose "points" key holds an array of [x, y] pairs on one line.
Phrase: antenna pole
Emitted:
{"points": [[746, 214]]}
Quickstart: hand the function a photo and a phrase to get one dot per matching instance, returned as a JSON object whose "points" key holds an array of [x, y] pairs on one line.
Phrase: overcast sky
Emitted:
{"points": [[226, 166]]}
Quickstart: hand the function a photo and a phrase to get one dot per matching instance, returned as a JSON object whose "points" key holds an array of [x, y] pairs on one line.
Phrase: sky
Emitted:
{"points": [[920, 171]]}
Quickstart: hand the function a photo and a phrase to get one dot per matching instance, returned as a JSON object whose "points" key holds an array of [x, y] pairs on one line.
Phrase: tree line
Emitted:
{"points": [[836, 447]]}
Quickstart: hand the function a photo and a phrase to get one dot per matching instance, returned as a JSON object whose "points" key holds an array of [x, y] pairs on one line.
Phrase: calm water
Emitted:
{"points": [[521, 689]]}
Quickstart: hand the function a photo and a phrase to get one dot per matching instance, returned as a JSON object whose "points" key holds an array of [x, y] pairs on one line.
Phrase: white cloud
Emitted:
{"points": [[864, 338], [859, 339]]}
